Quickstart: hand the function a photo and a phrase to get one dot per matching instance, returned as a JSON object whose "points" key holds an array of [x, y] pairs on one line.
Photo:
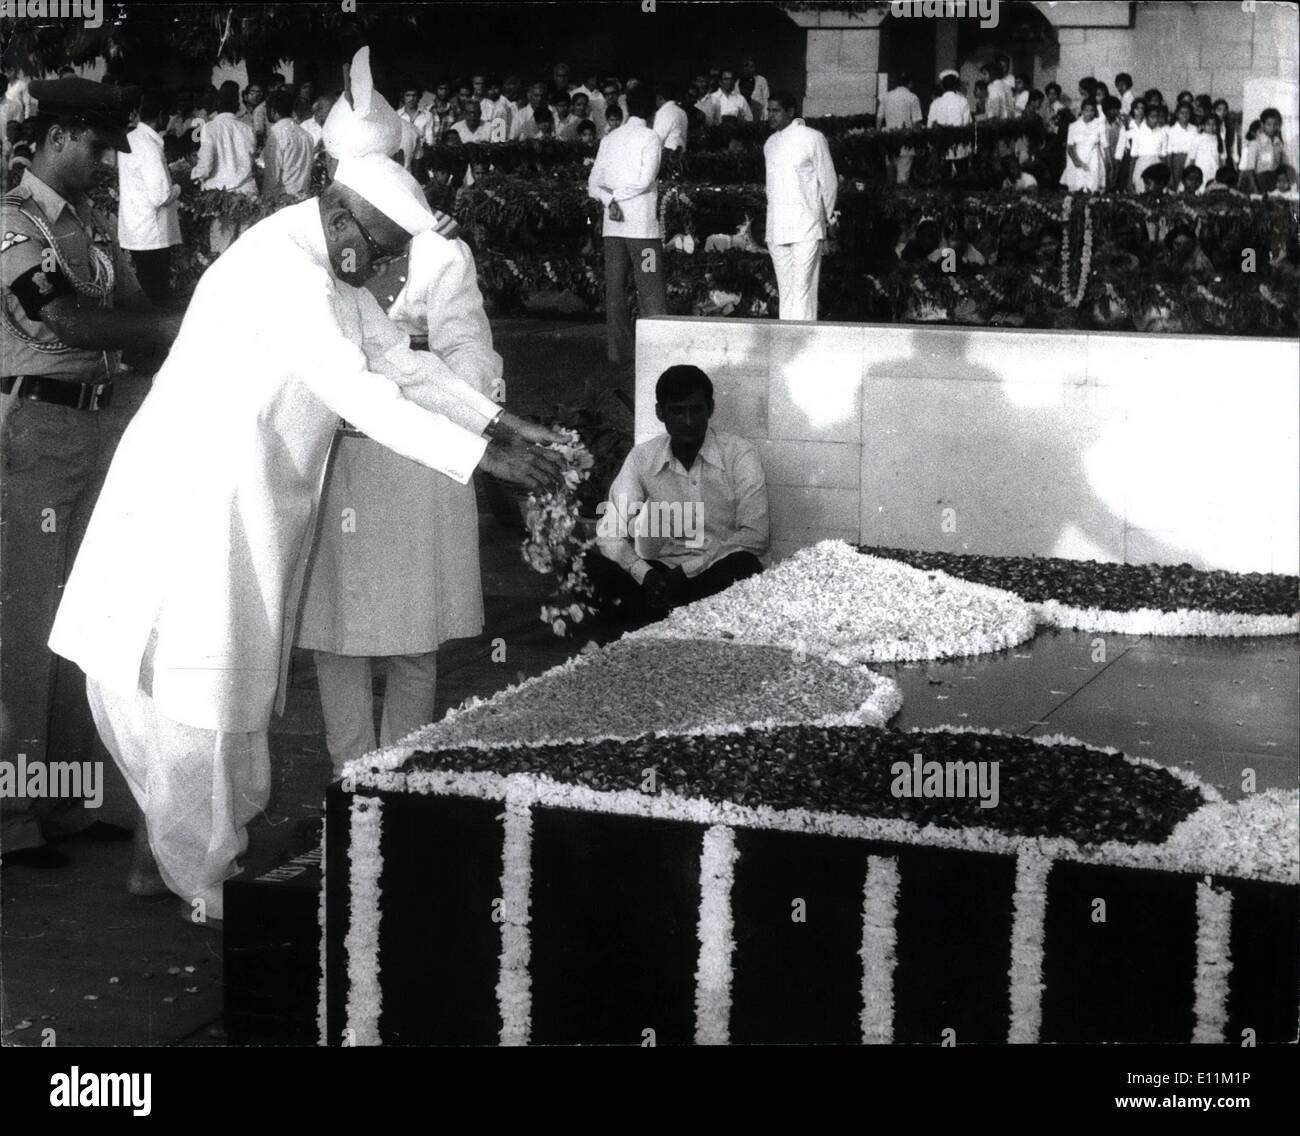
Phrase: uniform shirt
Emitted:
{"points": [[1206, 157], [719, 105], [899, 109], [28, 287], [1143, 141], [626, 170], [659, 510], [288, 157], [801, 184], [225, 158], [1182, 139], [147, 213], [671, 125]]}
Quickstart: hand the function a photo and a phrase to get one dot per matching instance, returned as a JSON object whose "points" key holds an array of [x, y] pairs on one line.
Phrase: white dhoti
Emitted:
{"points": [[197, 789], [798, 271]]}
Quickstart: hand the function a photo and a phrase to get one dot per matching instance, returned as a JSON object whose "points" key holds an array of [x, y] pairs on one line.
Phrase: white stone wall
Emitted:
{"points": [[1116, 447]]}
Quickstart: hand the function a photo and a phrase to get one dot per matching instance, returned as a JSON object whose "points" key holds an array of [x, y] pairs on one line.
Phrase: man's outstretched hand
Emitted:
{"points": [[513, 427], [521, 463]]}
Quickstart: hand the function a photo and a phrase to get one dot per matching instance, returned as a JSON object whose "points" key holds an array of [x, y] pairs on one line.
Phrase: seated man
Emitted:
{"points": [[687, 513]]}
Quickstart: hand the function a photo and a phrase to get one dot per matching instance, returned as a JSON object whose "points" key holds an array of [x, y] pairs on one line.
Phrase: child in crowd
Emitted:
{"points": [[1053, 104], [1113, 130], [1124, 88], [1192, 180], [1183, 139], [1207, 154], [613, 117], [1264, 167], [1013, 177], [1155, 178]]}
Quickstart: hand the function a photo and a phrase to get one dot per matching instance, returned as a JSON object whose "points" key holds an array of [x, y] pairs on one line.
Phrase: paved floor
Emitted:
{"points": [[80, 957]]}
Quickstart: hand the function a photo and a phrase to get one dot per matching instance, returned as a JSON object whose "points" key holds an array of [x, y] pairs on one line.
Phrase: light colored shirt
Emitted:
{"points": [[801, 184], [671, 124], [1126, 101], [1143, 141], [484, 132], [1000, 100], [146, 213], [1022, 100], [501, 109], [1263, 154], [1206, 156], [523, 125], [225, 158], [288, 158], [761, 93], [1182, 139], [899, 109], [566, 129], [626, 170], [692, 518], [315, 131], [720, 105]]}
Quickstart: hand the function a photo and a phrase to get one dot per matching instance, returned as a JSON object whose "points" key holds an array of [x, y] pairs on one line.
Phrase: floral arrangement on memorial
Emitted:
{"points": [[534, 234], [752, 715], [555, 544]]}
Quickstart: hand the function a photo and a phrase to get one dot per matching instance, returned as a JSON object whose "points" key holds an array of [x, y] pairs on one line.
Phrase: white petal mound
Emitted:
{"points": [[833, 601], [629, 690]]}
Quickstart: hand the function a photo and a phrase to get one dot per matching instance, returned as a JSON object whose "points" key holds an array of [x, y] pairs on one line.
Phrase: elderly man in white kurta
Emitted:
{"points": [[801, 193], [180, 607]]}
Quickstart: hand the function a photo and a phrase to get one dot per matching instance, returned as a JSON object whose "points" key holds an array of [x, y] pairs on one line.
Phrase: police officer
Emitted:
{"points": [[64, 403]]}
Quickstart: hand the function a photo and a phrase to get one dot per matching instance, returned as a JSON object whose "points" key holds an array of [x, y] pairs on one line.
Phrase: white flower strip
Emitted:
{"points": [[713, 972], [322, 1001], [1029, 906], [361, 944], [1149, 621], [1251, 839], [1213, 963], [514, 983], [833, 601], [879, 949]]}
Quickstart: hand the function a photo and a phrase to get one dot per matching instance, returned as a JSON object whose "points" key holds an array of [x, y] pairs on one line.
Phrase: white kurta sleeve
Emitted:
{"points": [[335, 370]]}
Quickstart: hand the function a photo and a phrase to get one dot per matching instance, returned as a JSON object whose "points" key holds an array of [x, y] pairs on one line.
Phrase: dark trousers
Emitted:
{"points": [[619, 597], [53, 461], [644, 258], [153, 268]]}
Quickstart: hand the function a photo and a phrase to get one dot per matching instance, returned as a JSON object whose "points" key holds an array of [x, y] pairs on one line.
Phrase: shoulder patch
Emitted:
{"points": [[10, 239]]}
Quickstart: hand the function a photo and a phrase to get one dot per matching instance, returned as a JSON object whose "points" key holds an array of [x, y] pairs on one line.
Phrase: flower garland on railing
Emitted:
{"points": [[555, 544]]}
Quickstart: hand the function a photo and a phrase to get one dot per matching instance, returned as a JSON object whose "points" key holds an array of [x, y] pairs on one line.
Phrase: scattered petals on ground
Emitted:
{"points": [[831, 600], [1133, 599], [633, 688]]}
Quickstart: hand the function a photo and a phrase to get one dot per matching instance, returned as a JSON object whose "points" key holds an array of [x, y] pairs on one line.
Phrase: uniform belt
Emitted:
{"points": [[59, 392]]}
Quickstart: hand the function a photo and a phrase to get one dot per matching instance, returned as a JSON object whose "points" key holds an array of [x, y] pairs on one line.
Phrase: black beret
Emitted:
{"points": [[104, 107]]}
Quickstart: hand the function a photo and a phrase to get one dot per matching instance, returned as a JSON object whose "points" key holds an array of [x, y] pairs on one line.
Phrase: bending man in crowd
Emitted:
{"points": [[214, 489], [687, 513]]}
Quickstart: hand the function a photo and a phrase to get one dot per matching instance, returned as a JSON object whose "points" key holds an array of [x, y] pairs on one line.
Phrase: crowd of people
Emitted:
{"points": [[1114, 141]]}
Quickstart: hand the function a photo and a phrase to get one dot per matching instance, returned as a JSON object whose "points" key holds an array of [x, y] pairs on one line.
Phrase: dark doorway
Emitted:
{"points": [[908, 45]]}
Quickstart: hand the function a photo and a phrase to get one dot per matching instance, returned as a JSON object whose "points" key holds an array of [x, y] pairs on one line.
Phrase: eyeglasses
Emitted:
{"points": [[378, 258]]}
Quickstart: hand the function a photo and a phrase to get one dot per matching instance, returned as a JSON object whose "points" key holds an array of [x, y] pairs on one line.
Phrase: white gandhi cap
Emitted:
{"points": [[389, 188]]}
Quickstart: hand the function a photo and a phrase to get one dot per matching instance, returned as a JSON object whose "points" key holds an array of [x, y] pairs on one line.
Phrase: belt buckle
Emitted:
{"points": [[94, 397]]}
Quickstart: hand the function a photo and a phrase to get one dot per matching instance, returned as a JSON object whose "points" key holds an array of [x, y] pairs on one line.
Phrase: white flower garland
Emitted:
{"points": [[713, 973], [514, 983], [1149, 621], [1028, 926], [879, 949], [366, 863], [1213, 963], [1255, 838], [322, 1003], [850, 607]]}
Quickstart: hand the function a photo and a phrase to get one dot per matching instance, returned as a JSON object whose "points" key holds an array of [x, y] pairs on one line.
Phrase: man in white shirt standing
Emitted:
{"points": [[315, 125], [147, 221], [801, 192], [624, 179], [671, 125], [900, 109], [226, 148], [761, 90], [727, 102], [289, 150], [420, 120], [951, 109]]}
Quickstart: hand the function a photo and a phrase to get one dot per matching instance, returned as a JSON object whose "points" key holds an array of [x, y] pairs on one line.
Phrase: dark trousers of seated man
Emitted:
{"points": [[618, 597]]}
